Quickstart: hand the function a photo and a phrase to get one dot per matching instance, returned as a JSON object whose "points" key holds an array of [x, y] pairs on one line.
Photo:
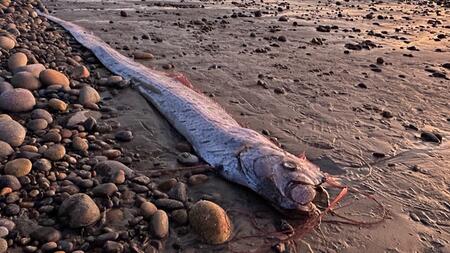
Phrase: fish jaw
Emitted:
{"points": [[287, 181]]}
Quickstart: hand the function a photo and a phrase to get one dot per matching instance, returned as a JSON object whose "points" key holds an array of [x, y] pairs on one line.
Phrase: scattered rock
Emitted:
{"points": [[88, 95], [79, 210], [187, 159], [197, 179], [57, 104], [7, 43], [5, 86], [113, 247], [42, 165], [3, 245], [18, 167], [10, 181], [124, 136], [46, 234], [143, 56], [210, 222], [17, 100], [160, 224], [50, 77], [5, 150], [7, 223], [80, 117], [12, 132], [80, 72], [169, 204], [180, 216], [34, 69], [55, 152], [25, 80], [42, 114], [179, 192], [17, 60], [148, 209], [3, 231], [105, 190], [113, 171], [430, 137], [80, 144], [37, 124]]}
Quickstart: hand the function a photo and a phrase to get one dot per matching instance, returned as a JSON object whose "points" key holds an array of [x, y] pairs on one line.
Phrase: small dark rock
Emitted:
{"points": [[429, 137]]}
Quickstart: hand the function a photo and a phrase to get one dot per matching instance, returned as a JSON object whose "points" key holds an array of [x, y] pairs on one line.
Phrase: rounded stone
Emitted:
{"points": [[37, 124], [124, 136], [12, 132], [197, 179], [113, 171], [46, 234], [5, 150], [210, 222], [12, 209], [55, 152], [80, 71], [79, 210], [10, 181], [80, 144], [17, 100], [17, 60], [57, 104], [180, 216], [18, 167], [88, 95], [3, 245], [42, 165], [25, 80], [187, 159], [34, 69], [5, 86], [7, 43], [52, 136], [113, 247], [160, 224], [148, 209], [105, 190], [42, 114], [7, 223], [50, 77]]}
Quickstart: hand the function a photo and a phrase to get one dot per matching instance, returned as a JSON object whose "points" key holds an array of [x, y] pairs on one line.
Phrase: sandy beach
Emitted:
{"points": [[361, 87]]}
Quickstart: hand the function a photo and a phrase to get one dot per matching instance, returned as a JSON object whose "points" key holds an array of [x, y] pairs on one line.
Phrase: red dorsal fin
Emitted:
{"points": [[182, 79], [302, 155]]}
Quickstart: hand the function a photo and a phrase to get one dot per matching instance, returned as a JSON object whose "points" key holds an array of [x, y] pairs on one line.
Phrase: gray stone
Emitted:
{"points": [[17, 100], [10, 181], [5, 150], [46, 234], [25, 80], [12, 132], [79, 210]]}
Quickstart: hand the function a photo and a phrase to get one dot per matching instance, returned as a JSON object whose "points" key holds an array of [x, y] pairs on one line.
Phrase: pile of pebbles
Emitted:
{"points": [[65, 180]]}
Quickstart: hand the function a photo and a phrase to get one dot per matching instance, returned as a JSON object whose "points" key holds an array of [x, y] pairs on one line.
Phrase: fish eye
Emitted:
{"points": [[290, 165]]}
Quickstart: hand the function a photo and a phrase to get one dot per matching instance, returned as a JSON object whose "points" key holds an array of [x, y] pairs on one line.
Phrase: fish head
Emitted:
{"points": [[288, 181]]}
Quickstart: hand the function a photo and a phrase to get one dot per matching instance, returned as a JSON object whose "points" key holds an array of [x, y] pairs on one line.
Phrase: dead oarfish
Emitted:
{"points": [[239, 154]]}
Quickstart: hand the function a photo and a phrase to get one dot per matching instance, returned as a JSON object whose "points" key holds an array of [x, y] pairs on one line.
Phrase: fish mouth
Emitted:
{"points": [[300, 212], [301, 193]]}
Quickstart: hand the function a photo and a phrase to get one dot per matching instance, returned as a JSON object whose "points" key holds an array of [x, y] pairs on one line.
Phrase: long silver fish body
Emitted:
{"points": [[240, 155]]}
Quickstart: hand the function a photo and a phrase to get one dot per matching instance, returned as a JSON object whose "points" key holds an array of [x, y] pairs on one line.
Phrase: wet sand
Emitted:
{"points": [[347, 87]]}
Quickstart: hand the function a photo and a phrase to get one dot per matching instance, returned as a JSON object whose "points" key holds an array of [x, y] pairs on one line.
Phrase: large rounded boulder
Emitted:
{"points": [[12, 132], [210, 222], [17, 100], [79, 210]]}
